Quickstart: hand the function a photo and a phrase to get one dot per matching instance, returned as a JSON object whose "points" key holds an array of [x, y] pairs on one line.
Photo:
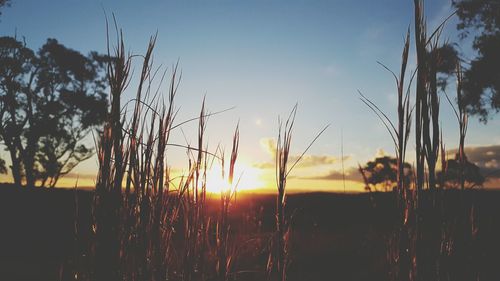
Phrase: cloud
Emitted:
{"points": [[316, 160], [492, 164], [374, 32], [264, 165], [485, 157], [82, 176], [269, 145], [351, 174], [380, 153], [332, 70], [307, 161]]}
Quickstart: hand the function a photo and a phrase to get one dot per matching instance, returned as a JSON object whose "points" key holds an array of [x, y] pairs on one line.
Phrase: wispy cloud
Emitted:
{"points": [[351, 174], [332, 70], [487, 158], [374, 32], [268, 145], [307, 161]]}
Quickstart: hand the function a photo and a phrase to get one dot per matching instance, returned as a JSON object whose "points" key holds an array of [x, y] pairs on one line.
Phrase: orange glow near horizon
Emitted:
{"points": [[251, 179], [246, 178]]}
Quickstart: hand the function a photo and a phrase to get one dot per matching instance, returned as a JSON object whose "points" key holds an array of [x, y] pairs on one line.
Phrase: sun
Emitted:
{"points": [[245, 177]]}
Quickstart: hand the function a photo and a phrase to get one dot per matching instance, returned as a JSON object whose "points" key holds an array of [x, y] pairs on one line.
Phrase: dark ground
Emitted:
{"points": [[336, 236]]}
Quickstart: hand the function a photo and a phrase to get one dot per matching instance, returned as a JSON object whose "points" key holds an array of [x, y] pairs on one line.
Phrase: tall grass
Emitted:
{"points": [[149, 225], [225, 251], [279, 256], [421, 249], [111, 157], [400, 134], [138, 209]]}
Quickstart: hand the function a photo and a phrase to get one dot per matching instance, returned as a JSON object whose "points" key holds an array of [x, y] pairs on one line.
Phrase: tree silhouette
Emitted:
{"points": [[383, 172], [454, 174], [482, 78], [50, 102]]}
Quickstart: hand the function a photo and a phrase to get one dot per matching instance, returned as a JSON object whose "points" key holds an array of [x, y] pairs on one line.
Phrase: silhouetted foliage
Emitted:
{"points": [[4, 3], [451, 178], [482, 78], [383, 172], [446, 58], [50, 102]]}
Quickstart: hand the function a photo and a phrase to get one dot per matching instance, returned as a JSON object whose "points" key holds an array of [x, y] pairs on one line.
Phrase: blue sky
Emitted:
{"points": [[263, 57]]}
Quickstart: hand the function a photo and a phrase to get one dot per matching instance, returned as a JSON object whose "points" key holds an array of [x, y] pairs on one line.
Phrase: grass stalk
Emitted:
{"points": [[279, 255], [224, 254], [400, 134]]}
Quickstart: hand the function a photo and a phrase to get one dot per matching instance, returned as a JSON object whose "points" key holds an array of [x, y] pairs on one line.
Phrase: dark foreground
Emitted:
{"points": [[334, 237]]}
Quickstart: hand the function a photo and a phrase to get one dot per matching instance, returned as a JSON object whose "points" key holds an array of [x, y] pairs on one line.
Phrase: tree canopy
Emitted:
{"points": [[382, 172], [482, 78], [49, 103]]}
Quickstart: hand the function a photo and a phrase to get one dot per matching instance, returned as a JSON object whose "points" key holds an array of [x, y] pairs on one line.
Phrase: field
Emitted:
{"points": [[333, 236]]}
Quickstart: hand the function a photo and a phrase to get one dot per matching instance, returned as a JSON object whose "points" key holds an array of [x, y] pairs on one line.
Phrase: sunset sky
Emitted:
{"points": [[263, 57]]}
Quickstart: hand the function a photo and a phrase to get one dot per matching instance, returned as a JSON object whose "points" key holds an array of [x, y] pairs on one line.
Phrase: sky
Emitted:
{"points": [[263, 57]]}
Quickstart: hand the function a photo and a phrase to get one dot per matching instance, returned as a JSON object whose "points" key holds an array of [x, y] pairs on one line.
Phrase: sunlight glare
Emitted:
{"points": [[249, 178]]}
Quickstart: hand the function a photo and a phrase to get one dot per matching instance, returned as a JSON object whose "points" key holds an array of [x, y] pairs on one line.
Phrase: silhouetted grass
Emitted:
{"points": [[148, 225], [430, 244]]}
